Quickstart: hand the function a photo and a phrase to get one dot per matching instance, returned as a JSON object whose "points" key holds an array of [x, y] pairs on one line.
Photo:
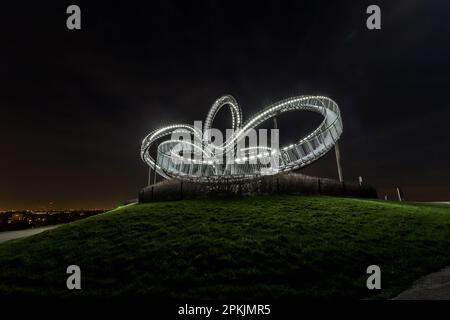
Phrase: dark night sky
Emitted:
{"points": [[75, 105]]}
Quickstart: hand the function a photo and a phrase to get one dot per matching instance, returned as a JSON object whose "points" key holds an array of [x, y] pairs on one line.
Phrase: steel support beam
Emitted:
{"points": [[338, 161]]}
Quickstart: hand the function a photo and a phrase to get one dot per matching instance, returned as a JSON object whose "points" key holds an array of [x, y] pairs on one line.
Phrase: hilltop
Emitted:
{"points": [[242, 248]]}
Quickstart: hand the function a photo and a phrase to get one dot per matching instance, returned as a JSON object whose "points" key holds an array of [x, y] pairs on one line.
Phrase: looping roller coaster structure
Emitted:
{"points": [[198, 161]]}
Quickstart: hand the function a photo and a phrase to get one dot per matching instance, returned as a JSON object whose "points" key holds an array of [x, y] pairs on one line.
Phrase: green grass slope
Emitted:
{"points": [[247, 248]]}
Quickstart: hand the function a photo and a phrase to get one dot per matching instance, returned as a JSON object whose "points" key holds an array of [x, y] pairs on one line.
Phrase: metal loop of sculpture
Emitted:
{"points": [[172, 161]]}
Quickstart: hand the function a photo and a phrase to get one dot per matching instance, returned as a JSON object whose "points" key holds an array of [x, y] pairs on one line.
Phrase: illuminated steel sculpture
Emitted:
{"points": [[197, 161]]}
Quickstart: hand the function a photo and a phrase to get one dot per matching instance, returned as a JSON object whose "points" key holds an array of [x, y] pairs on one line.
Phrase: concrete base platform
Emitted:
{"points": [[287, 183]]}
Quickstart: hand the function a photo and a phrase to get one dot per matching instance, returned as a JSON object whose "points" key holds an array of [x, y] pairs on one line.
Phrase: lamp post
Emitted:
{"points": [[400, 194]]}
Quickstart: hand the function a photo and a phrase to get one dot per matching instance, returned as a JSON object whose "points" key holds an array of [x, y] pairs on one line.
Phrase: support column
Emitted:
{"points": [[149, 180], [275, 123], [154, 175], [338, 162]]}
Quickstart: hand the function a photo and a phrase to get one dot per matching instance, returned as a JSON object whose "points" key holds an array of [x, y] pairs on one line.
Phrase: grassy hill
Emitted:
{"points": [[248, 248]]}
